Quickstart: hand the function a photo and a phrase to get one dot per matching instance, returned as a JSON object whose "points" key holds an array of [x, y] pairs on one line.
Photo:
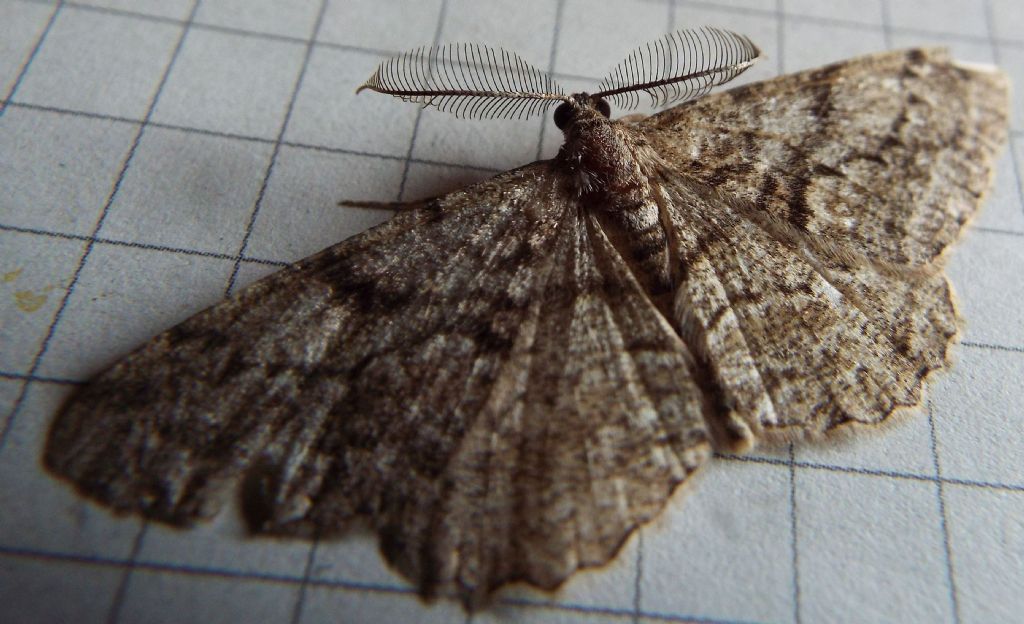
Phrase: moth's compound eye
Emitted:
{"points": [[563, 114], [604, 108]]}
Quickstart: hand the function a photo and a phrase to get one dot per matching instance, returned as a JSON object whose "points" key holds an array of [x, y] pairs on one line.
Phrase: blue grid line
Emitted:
{"points": [[307, 573], [552, 60], [243, 137], [886, 23], [1016, 169], [869, 472], [940, 496], [982, 345], [114, 613], [794, 536], [31, 57], [383, 52], [277, 150], [99, 240], [56, 557], [301, 591], [35, 378], [639, 577], [726, 9], [44, 346], [419, 111], [780, 69], [997, 231]]}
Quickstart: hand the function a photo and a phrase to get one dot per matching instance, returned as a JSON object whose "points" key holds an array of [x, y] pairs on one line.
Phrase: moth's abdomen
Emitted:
{"points": [[639, 235]]}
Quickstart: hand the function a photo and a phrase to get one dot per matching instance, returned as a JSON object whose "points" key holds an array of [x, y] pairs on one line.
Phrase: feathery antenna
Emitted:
{"points": [[481, 82], [468, 80], [680, 66]]}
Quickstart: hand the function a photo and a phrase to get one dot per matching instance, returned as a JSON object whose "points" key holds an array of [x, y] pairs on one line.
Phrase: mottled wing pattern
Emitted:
{"points": [[887, 154], [796, 340], [808, 214], [482, 380]]}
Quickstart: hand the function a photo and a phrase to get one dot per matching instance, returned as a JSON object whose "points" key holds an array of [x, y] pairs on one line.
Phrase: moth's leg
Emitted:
{"points": [[377, 205]]}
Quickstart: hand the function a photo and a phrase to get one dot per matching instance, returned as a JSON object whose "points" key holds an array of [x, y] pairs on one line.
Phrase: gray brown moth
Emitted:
{"points": [[506, 381]]}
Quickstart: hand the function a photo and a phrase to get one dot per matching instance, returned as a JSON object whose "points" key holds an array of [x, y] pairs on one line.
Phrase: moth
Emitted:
{"points": [[504, 382]]}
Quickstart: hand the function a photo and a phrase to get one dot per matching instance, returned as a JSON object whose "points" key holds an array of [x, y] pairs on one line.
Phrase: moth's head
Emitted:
{"points": [[581, 107]]}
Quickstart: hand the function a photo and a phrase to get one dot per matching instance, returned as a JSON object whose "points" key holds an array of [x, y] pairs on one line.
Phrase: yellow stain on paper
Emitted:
{"points": [[29, 301], [26, 300]]}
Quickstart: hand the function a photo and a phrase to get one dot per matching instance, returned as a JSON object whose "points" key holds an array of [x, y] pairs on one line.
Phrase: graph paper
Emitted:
{"points": [[158, 155]]}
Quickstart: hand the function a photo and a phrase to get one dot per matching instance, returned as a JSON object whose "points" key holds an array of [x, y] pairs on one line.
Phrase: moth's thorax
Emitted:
{"points": [[603, 158]]}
